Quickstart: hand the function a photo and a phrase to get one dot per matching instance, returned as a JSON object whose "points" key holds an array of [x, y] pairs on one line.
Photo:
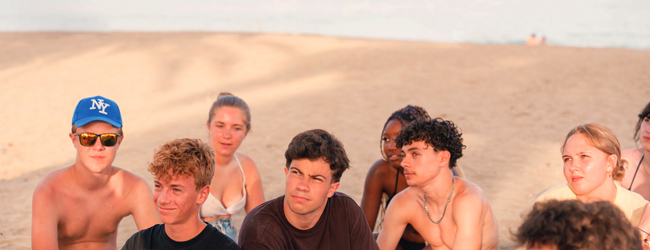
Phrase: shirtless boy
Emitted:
{"points": [[449, 212], [80, 206]]}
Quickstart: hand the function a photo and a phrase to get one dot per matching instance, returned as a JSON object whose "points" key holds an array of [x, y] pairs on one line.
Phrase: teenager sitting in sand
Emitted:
{"points": [[386, 176], [311, 214], [80, 206], [637, 175], [592, 163], [574, 225], [236, 184], [182, 171], [449, 212]]}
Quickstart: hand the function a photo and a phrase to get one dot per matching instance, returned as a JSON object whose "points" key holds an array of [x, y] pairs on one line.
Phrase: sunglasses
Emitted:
{"points": [[88, 139]]}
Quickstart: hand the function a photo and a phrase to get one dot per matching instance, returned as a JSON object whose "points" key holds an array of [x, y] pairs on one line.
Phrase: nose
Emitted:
{"points": [[303, 185], [98, 144], [162, 197], [405, 163]]}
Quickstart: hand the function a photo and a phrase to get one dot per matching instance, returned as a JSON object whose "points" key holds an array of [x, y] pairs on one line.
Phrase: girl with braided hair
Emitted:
{"points": [[386, 176]]}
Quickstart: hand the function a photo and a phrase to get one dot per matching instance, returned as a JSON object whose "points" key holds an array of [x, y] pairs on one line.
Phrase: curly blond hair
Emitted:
{"points": [[188, 157]]}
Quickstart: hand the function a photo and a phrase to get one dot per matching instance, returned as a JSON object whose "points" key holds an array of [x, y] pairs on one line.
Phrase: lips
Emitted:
{"points": [[576, 178], [299, 198], [408, 174], [164, 210]]}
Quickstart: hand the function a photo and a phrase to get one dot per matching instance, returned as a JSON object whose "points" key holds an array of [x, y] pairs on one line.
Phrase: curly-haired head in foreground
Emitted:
{"points": [[441, 134], [573, 225], [188, 157]]}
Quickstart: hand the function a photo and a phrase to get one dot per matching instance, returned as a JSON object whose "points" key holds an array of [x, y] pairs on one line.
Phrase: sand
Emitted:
{"points": [[513, 103]]}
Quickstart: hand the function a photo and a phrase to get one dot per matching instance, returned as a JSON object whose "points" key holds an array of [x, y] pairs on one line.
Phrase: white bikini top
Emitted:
{"points": [[213, 207]]}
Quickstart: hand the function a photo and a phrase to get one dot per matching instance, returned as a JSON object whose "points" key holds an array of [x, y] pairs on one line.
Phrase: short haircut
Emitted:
{"points": [[573, 225], [226, 99], [440, 134], [645, 113], [405, 116], [600, 137], [187, 157], [319, 144]]}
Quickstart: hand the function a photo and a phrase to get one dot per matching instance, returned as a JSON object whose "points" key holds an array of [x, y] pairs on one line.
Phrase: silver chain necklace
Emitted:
{"points": [[453, 182]]}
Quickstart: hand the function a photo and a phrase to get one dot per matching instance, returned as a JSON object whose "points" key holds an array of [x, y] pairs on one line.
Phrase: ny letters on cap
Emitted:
{"points": [[97, 108]]}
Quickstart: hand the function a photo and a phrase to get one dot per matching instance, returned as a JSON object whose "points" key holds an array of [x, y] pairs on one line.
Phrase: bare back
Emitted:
{"points": [[82, 218], [468, 222]]}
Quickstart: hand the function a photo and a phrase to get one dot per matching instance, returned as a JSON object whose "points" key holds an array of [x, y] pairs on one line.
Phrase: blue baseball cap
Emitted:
{"points": [[97, 108]]}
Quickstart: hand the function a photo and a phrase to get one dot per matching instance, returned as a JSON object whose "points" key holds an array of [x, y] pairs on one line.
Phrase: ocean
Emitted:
{"points": [[578, 23]]}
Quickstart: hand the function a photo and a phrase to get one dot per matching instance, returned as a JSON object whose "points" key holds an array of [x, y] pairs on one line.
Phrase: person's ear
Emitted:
{"points": [[203, 194], [333, 187], [73, 138], [444, 158]]}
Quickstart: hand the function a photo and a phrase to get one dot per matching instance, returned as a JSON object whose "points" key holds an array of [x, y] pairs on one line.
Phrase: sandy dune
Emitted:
{"points": [[514, 103]]}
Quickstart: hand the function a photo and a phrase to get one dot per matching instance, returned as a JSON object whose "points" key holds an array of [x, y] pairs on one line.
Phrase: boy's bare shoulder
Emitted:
{"points": [[469, 192], [53, 182]]}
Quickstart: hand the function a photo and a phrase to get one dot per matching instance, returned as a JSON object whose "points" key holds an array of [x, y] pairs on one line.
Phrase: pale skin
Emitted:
{"points": [[468, 222], [227, 130], [178, 200], [308, 186], [641, 184], [587, 171], [80, 206]]}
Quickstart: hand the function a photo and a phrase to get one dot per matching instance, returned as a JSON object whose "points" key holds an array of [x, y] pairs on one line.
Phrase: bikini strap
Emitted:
{"points": [[394, 191], [637, 170]]}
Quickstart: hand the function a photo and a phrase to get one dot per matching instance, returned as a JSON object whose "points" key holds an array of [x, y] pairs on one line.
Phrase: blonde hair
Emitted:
{"points": [[188, 157], [602, 138]]}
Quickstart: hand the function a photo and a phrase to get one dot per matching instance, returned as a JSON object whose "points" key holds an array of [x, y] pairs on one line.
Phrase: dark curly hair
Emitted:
{"points": [[187, 157], [405, 116], [645, 113], [441, 134], [319, 144], [573, 225]]}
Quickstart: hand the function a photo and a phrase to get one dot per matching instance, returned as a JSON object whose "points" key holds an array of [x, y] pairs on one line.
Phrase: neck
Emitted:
{"points": [[185, 231], [89, 180], [302, 221], [437, 189], [223, 160], [606, 192]]}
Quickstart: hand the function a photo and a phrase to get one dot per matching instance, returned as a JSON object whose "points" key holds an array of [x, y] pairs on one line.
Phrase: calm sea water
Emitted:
{"points": [[582, 23]]}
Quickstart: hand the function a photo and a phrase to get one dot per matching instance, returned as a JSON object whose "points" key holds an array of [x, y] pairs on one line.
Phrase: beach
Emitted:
{"points": [[513, 103]]}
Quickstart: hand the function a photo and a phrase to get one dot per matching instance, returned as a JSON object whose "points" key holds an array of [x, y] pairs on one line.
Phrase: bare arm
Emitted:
{"points": [[143, 207], [44, 219], [372, 192], [394, 224], [644, 223], [468, 215], [254, 191]]}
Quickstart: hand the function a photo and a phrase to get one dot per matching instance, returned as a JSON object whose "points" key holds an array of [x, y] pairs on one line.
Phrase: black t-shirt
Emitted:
{"points": [[155, 238], [342, 226]]}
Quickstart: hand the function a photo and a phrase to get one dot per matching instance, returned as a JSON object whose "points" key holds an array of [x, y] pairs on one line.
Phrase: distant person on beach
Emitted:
{"points": [[637, 174], [386, 176], [573, 225], [182, 170], [310, 214], [449, 212], [542, 41], [236, 184], [532, 40], [592, 167], [80, 206]]}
